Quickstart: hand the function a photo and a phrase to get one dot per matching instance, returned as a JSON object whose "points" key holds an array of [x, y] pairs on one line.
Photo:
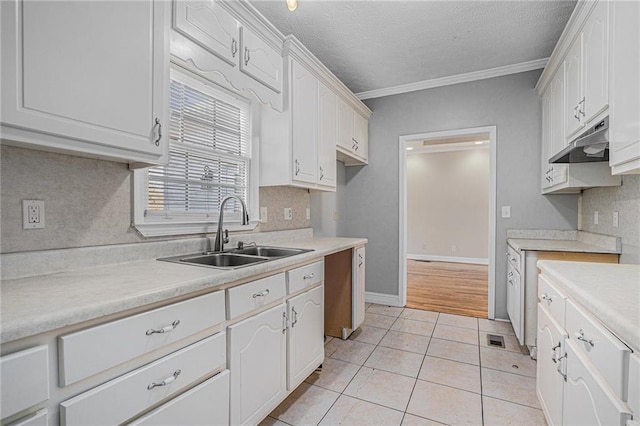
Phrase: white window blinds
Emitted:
{"points": [[209, 153]]}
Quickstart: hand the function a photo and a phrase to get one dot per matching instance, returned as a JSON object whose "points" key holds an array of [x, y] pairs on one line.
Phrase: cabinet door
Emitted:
{"points": [[573, 70], [514, 302], [305, 339], [361, 135], [261, 61], [624, 145], [257, 362], [327, 137], [345, 125], [209, 25], [546, 138], [358, 287], [549, 380], [596, 61], [88, 77], [587, 398], [304, 114]]}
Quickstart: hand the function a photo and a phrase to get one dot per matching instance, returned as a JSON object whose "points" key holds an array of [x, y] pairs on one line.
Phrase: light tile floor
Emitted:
{"points": [[411, 367]]}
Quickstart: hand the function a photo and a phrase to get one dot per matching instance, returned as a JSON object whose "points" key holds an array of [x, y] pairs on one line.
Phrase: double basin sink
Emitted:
{"points": [[237, 258]]}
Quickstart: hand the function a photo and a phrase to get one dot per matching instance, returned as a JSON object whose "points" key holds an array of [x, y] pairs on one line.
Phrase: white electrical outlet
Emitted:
{"points": [[264, 215], [616, 219], [595, 218], [33, 214], [308, 213], [288, 213], [454, 249]]}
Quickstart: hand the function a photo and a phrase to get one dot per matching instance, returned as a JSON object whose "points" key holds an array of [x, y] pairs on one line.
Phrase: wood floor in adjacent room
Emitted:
{"points": [[453, 288]]}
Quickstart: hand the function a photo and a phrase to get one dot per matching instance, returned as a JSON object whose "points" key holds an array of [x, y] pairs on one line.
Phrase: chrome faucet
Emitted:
{"points": [[218, 245]]}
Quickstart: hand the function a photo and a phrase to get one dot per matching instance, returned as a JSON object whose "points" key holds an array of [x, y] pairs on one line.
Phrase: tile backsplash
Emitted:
{"points": [[88, 201], [623, 199]]}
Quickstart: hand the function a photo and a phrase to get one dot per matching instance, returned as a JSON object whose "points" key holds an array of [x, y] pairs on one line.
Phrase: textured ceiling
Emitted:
{"points": [[378, 44]]}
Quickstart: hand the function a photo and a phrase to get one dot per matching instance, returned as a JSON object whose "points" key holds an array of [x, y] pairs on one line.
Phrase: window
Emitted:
{"points": [[209, 159]]}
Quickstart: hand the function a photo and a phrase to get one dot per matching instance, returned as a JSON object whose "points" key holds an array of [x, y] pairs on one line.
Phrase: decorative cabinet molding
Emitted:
{"points": [[226, 43], [103, 94]]}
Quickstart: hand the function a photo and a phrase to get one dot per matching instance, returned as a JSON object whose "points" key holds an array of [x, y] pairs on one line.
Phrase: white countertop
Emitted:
{"points": [[610, 291], [34, 305], [559, 245]]}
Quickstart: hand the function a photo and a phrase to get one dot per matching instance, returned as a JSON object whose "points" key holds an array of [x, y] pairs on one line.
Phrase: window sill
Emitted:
{"points": [[162, 229]]}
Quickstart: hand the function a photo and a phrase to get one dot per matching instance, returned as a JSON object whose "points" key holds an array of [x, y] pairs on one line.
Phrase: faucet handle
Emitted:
{"points": [[226, 236]]}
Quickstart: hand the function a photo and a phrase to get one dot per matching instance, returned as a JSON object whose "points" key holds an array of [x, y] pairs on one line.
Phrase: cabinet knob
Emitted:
{"points": [[163, 330], [580, 336], [234, 47], [546, 297], [159, 125], [166, 381]]}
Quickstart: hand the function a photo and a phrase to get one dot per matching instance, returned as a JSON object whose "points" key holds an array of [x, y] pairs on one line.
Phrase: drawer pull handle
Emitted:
{"points": [[164, 329], [580, 336], [261, 294], [546, 297], [166, 381], [308, 277]]}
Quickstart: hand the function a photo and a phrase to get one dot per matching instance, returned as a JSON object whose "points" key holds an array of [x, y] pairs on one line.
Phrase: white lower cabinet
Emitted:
{"points": [[257, 360], [550, 381], [40, 418], [515, 301], [588, 400], [305, 338], [24, 380], [127, 396], [359, 265], [205, 404]]}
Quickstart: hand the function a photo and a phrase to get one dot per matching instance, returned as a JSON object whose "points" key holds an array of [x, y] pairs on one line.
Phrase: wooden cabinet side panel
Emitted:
{"points": [[338, 292]]}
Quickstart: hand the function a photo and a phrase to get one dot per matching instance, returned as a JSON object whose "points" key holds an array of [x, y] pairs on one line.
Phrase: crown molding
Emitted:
{"points": [[455, 79]]}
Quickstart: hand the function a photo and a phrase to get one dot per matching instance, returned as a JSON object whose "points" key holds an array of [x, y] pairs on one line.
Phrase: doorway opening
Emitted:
{"points": [[447, 221]]}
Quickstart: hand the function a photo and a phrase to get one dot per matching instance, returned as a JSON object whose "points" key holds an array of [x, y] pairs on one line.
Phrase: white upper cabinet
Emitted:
{"points": [[230, 44], [574, 99], [87, 78], [260, 61], [327, 131], [304, 122], [624, 130], [353, 135], [595, 58]]}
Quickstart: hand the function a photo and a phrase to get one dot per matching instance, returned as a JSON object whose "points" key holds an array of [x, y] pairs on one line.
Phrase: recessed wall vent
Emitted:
{"points": [[495, 341]]}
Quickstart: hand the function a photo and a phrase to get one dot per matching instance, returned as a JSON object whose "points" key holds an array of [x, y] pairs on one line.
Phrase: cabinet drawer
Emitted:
{"points": [[305, 276], [605, 351], [40, 418], [551, 298], [25, 379], [96, 349], [205, 404], [588, 400], [513, 257], [247, 297], [120, 399]]}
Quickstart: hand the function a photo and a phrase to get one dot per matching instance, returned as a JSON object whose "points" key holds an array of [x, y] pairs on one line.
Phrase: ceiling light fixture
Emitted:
{"points": [[409, 148], [292, 4], [479, 143]]}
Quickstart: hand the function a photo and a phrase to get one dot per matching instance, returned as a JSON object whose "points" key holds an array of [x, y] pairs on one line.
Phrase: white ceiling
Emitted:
{"points": [[372, 45]]}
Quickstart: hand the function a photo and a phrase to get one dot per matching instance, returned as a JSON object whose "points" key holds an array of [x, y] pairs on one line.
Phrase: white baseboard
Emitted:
{"points": [[473, 260], [382, 299]]}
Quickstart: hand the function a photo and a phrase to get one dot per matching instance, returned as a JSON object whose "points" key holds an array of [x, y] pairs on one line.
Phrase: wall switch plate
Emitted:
{"points": [[288, 213], [616, 219], [308, 215], [506, 212], [595, 218], [264, 215], [32, 214], [335, 215]]}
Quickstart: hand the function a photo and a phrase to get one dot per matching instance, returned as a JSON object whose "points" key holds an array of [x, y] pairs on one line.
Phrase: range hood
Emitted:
{"points": [[590, 146]]}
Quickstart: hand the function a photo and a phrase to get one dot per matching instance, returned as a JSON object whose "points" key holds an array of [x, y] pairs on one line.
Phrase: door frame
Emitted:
{"points": [[402, 206]]}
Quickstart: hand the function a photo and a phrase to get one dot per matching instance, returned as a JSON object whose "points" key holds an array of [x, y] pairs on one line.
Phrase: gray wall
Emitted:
{"points": [[88, 201], [370, 207], [448, 204], [625, 200]]}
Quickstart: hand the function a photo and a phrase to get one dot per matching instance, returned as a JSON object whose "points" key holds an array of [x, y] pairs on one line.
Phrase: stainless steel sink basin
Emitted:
{"points": [[270, 251], [235, 258]]}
